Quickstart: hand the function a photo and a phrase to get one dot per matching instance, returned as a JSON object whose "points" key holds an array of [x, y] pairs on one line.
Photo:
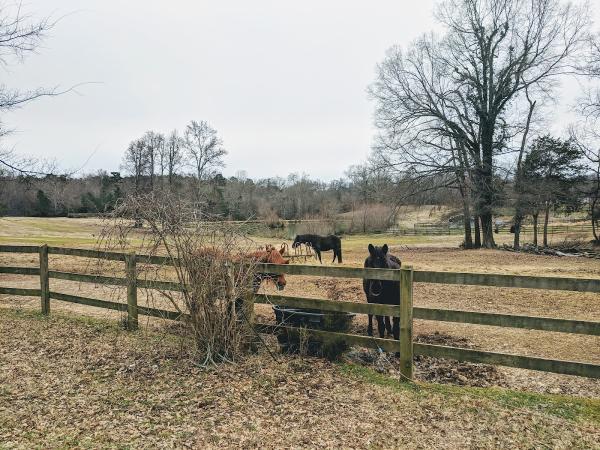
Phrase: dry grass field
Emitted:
{"points": [[84, 375], [73, 382]]}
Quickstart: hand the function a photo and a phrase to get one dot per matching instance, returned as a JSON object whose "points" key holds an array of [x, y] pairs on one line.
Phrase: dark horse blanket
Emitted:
{"points": [[321, 244], [380, 291]]}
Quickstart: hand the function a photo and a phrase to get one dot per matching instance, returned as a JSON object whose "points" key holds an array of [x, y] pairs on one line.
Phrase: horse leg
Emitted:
{"points": [[319, 255], [370, 327], [397, 328], [388, 325], [381, 326]]}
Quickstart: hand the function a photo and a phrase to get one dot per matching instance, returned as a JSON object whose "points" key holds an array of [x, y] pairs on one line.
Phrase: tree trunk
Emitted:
{"points": [[535, 228], [546, 216], [487, 230], [518, 220], [468, 233], [477, 232], [466, 218], [485, 183], [593, 212]]}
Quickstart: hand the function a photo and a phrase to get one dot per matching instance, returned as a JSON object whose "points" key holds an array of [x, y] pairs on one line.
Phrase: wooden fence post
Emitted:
{"points": [[132, 307], [406, 322], [44, 280]]}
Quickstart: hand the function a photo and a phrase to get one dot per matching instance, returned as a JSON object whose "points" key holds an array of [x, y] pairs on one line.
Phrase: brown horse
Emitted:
{"points": [[268, 256]]}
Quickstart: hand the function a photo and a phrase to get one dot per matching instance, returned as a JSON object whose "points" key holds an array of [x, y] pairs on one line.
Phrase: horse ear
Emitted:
{"points": [[371, 249], [384, 249]]}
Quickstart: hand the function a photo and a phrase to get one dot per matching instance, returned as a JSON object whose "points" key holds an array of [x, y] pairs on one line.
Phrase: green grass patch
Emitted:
{"points": [[566, 407], [50, 240]]}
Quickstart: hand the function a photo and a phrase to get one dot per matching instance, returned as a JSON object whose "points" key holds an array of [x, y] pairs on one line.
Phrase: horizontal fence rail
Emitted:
{"points": [[117, 306], [433, 314], [437, 229], [329, 305], [20, 270], [509, 321], [339, 272], [512, 281], [20, 291], [96, 279], [505, 359]]}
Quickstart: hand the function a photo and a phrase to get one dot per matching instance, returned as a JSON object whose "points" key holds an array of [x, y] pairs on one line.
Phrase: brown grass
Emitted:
{"points": [[70, 382]]}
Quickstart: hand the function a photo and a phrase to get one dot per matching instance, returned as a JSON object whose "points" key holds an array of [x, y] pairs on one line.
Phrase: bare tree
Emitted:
{"points": [[153, 147], [520, 207], [463, 87], [172, 156], [587, 140], [20, 35], [136, 163], [204, 150]]}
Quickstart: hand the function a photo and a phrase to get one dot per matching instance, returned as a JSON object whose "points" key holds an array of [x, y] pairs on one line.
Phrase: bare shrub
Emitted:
{"points": [[204, 254], [312, 226], [371, 219]]}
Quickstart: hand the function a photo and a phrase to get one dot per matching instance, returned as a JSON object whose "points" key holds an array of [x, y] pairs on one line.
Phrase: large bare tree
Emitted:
{"points": [[462, 87], [204, 150]]}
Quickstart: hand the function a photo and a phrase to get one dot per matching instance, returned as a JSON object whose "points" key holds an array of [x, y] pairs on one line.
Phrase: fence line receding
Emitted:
{"points": [[405, 310]]}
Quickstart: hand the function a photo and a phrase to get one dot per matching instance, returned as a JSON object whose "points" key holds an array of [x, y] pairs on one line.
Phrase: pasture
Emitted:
{"points": [[380, 404]]}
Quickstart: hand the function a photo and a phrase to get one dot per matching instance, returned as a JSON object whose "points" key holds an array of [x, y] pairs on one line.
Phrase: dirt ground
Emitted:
{"points": [[74, 382], [427, 255]]}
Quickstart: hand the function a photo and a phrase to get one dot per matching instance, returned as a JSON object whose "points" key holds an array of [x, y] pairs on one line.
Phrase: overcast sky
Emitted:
{"points": [[284, 83]]}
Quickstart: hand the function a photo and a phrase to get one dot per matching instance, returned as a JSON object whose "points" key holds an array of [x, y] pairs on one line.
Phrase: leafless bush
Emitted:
{"points": [[371, 219], [204, 255], [321, 227]]}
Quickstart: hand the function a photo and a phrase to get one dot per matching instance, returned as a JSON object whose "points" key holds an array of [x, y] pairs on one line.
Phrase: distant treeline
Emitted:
{"points": [[235, 198]]}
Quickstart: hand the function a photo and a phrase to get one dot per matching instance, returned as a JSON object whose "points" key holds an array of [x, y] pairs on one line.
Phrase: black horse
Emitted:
{"points": [[321, 244], [379, 291]]}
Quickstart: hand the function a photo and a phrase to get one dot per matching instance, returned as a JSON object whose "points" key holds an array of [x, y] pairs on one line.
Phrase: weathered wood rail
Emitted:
{"points": [[444, 230], [405, 311]]}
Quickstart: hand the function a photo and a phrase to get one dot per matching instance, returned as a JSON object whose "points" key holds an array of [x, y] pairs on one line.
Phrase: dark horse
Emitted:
{"points": [[379, 291], [321, 244]]}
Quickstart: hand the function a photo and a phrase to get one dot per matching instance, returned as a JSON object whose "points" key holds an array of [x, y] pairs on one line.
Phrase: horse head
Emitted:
{"points": [[379, 258], [296, 242], [272, 256]]}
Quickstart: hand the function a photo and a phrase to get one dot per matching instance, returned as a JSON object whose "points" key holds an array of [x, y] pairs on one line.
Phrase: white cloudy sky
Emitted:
{"points": [[283, 82]]}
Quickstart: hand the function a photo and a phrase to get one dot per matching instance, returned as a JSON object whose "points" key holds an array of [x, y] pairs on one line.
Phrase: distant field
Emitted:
{"points": [[84, 232]]}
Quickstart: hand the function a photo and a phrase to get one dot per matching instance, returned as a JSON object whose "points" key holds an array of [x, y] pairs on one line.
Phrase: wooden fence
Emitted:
{"points": [[405, 311], [441, 230]]}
